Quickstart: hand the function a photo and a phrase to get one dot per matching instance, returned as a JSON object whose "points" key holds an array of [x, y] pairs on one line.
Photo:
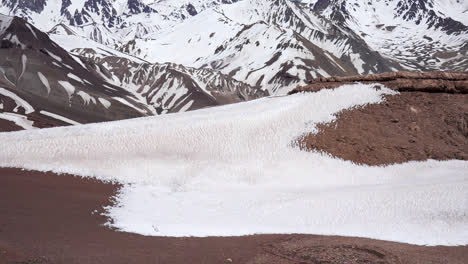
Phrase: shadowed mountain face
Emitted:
{"points": [[36, 71]]}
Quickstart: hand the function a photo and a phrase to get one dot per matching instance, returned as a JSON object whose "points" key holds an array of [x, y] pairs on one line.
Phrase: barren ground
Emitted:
{"points": [[410, 126], [48, 218]]}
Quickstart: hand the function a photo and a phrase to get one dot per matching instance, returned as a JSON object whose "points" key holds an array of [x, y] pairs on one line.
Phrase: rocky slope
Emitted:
{"points": [[436, 82], [427, 120], [39, 77]]}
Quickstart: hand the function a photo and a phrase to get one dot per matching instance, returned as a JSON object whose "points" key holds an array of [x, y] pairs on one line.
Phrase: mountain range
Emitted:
{"points": [[146, 57]]}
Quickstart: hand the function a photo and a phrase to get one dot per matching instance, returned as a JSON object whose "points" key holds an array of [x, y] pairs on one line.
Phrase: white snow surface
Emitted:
{"points": [[235, 170], [5, 22], [44, 81], [74, 77], [69, 88], [18, 100], [104, 102], [86, 97], [19, 120], [59, 117]]}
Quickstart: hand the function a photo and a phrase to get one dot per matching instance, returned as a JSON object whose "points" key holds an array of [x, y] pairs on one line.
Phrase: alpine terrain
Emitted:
{"points": [[234, 131]]}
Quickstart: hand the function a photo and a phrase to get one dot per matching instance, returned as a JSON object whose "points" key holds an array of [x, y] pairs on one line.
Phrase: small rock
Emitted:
{"points": [[228, 260], [414, 110], [414, 127]]}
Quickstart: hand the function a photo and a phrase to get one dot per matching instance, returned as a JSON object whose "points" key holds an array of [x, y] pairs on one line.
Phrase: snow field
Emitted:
{"points": [[235, 170]]}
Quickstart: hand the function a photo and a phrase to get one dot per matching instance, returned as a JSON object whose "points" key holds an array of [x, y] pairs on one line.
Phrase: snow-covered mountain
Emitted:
{"points": [[273, 45], [164, 87], [43, 83], [421, 35], [170, 87]]}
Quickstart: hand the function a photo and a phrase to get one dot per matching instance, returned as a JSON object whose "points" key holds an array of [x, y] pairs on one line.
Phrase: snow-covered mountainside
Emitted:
{"points": [[172, 87], [166, 87], [43, 84], [420, 35], [273, 44], [235, 170]]}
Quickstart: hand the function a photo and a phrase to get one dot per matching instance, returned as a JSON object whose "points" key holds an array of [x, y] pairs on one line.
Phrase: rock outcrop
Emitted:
{"points": [[433, 82], [428, 119]]}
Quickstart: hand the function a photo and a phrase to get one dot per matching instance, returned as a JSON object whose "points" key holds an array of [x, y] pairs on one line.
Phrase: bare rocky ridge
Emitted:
{"points": [[443, 82], [427, 120]]}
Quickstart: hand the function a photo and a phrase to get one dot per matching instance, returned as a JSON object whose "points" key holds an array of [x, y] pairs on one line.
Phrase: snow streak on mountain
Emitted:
{"points": [[273, 45]]}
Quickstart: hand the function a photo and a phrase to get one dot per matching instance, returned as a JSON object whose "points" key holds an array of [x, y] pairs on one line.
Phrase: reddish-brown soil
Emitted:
{"points": [[7, 126], [409, 126], [47, 218], [429, 82]]}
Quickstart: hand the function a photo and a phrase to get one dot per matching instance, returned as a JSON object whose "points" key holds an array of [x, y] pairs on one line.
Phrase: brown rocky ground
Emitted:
{"points": [[46, 218], [427, 120], [431, 82], [7, 126], [409, 126]]}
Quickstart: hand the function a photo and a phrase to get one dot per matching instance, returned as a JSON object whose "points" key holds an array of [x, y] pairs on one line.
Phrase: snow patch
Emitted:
{"points": [[44, 81], [24, 60], [104, 102], [186, 107], [55, 57], [86, 97], [19, 120], [234, 170], [18, 100], [56, 64], [74, 77], [59, 117], [31, 29], [5, 22], [14, 39], [127, 103], [69, 88]]}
